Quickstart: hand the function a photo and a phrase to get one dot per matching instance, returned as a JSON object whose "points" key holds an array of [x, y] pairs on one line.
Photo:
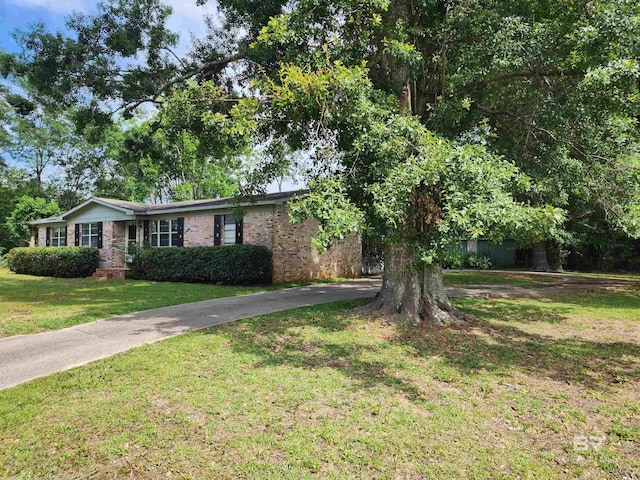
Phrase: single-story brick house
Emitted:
{"points": [[114, 226]]}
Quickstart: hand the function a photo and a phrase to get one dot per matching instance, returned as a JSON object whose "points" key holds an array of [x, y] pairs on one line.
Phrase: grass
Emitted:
{"points": [[627, 276], [515, 277], [487, 277], [31, 304], [328, 392]]}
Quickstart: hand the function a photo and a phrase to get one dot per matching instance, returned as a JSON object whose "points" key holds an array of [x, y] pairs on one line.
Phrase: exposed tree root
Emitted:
{"points": [[413, 295], [439, 314]]}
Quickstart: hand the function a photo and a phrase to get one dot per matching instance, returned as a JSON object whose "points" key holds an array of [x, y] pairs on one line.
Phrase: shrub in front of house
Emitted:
{"points": [[67, 262], [226, 265]]}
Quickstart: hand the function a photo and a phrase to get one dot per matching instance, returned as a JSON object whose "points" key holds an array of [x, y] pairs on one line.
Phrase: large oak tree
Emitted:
{"points": [[419, 117]]}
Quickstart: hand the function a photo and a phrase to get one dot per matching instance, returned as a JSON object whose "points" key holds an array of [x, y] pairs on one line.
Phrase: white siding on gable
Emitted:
{"points": [[95, 212]]}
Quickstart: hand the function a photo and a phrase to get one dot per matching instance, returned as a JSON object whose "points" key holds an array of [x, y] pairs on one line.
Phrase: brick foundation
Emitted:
{"points": [[110, 273]]}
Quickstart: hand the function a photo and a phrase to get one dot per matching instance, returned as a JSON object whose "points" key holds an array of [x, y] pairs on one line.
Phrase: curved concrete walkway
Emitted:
{"points": [[25, 357]]}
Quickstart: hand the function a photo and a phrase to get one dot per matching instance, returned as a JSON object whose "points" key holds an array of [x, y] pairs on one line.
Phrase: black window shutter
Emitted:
{"points": [[77, 238], [239, 232], [145, 233], [180, 232], [65, 236], [49, 235], [99, 234], [217, 229]]}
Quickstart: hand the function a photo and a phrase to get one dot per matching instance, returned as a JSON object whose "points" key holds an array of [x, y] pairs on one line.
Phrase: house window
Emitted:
{"points": [[89, 235], [227, 230], [229, 234], [165, 233], [59, 237]]}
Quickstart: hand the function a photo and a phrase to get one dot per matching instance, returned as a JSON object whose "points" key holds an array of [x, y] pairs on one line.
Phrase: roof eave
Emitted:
{"points": [[47, 221]]}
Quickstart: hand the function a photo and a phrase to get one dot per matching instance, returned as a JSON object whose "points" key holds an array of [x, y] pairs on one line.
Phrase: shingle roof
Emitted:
{"points": [[217, 202], [136, 208]]}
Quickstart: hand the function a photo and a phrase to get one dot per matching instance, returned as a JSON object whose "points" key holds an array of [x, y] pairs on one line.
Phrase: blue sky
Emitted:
{"points": [[187, 17], [18, 15]]}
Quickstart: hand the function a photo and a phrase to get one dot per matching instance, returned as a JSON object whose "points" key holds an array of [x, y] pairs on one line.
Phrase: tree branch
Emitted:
{"points": [[556, 72], [209, 67], [489, 111], [175, 56], [213, 66]]}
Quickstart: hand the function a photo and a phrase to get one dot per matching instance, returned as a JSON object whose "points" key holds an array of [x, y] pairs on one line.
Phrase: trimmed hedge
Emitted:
{"points": [[67, 262], [227, 265]]}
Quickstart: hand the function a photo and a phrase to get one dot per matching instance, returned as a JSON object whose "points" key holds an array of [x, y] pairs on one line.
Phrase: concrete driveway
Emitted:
{"points": [[25, 357]]}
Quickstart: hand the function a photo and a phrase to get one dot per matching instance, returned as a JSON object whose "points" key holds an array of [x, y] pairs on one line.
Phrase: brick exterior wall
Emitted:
{"points": [[198, 230], [293, 257], [71, 235], [295, 260], [113, 242], [258, 227], [42, 236], [113, 245]]}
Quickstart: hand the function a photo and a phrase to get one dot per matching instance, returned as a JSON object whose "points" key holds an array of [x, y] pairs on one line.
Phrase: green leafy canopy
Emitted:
{"points": [[412, 185], [26, 210]]}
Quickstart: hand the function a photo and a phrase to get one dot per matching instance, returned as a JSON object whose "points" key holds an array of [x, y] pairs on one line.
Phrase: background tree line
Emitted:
{"points": [[49, 165]]}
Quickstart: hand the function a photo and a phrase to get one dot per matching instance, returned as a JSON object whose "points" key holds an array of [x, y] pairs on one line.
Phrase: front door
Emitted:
{"points": [[132, 234], [132, 240]]}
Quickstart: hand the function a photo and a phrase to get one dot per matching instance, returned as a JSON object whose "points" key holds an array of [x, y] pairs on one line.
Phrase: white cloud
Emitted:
{"points": [[188, 9], [55, 6], [188, 19]]}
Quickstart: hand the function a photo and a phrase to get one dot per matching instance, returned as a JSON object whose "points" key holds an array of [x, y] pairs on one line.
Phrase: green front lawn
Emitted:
{"points": [[34, 304], [536, 388]]}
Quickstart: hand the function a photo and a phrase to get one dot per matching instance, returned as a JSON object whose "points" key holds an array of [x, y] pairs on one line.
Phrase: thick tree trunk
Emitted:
{"points": [[554, 255], [539, 261], [413, 295]]}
